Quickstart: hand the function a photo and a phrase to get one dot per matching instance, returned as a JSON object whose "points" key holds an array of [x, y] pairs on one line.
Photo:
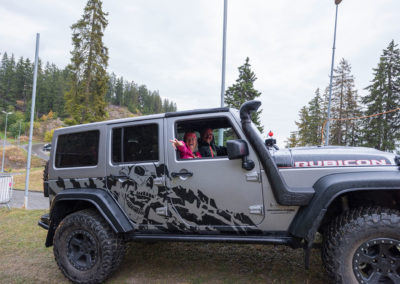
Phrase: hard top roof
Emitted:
{"points": [[154, 116]]}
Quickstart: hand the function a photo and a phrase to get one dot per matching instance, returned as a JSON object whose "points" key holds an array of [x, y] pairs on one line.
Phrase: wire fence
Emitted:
{"points": [[323, 137]]}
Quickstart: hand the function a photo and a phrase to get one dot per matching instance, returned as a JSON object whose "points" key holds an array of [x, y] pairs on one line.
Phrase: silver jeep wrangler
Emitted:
{"points": [[117, 181]]}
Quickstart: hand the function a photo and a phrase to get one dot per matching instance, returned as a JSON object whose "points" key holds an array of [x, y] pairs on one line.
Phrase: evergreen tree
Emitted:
{"points": [[316, 119], [344, 105], [110, 95], [382, 131], [52, 84], [243, 91], [88, 83], [310, 123], [303, 126], [7, 81], [119, 92], [292, 140], [3, 80]]}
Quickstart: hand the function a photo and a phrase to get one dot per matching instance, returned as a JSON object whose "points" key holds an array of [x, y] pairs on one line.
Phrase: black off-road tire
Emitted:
{"points": [[86, 248], [363, 246]]}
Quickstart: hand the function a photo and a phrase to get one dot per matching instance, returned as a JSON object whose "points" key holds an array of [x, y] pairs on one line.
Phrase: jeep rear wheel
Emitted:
{"points": [[363, 246], [86, 248]]}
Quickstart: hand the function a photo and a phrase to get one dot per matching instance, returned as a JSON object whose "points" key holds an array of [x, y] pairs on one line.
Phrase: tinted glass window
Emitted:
{"points": [[77, 149], [135, 144]]}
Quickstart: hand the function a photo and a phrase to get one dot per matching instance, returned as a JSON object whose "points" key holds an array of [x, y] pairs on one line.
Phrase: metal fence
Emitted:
{"points": [[6, 186]]}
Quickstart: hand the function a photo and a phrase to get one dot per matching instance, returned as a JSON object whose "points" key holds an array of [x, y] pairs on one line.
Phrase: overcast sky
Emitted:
{"points": [[175, 46]]}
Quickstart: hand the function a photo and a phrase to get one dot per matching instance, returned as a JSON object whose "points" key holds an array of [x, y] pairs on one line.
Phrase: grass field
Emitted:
{"points": [[35, 179], [24, 259], [15, 163]]}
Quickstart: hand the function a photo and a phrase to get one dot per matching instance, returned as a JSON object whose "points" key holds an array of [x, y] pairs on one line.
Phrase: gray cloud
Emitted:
{"points": [[176, 46]]}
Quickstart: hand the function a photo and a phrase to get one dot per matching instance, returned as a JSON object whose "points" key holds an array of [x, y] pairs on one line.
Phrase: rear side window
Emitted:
{"points": [[79, 149], [135, 144]]}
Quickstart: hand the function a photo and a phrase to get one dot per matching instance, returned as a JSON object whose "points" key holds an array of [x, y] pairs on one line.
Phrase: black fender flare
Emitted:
{"points": [[65, 203], [328, 188]]}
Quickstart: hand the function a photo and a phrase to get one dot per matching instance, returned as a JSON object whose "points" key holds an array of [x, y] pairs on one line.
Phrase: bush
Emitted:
{"points": [[70, 121], [48, 136], [14, 128]]}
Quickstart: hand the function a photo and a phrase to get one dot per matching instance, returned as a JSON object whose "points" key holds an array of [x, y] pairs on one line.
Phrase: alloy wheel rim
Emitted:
{"points": [[377, 261], [81, 250]]}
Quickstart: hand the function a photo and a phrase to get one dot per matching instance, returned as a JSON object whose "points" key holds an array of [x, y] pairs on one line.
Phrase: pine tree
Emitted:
{"points": [[110, 95], [8, 83], [88, 84], [310, 123], [383, 131], [243, 91], [293, 140], [119, 91], [316, 119], [3, 80], [344, 105], [303, 126]]}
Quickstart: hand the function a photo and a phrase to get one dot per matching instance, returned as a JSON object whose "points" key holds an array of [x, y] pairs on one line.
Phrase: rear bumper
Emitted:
{"points": [[44, 221]]}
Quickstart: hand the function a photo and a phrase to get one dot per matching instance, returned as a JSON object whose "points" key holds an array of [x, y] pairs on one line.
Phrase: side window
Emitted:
{"points": [[207, 132], [135, 144], [79, 149]]}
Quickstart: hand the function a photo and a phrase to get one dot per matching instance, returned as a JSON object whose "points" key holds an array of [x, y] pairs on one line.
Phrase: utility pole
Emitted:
{"points": [[28, 163], [337, 2]]}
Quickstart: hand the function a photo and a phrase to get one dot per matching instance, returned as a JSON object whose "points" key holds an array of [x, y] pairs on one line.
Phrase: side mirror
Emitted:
{"points": [[238, 149]]}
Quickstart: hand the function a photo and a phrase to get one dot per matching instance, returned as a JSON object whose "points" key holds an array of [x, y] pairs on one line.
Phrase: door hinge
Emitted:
{"points": [[163, 211], [256, 209], [254, 176]]}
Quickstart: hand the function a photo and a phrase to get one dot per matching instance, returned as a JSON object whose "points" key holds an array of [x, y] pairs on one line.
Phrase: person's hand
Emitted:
{"points": [[175, 143]]}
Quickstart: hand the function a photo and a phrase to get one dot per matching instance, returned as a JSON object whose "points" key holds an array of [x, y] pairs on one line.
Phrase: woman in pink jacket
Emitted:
{"points": [[187, 148]]}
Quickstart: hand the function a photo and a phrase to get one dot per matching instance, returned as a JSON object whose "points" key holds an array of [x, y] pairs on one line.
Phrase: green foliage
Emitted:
{"points": [[303, 126], [138, 99], [310, 124], [383, 131], [15, 130], [48, 136], [344, 105], [243, 91], [85, 99], [292, 141], [52, 84], [70, 121], [13, 123]]}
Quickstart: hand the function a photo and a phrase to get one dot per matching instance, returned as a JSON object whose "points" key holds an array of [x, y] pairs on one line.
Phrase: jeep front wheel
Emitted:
{"points": [[363, 246], [86, 248]]}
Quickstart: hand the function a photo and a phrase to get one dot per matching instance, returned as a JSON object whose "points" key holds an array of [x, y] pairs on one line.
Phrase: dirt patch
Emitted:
{"points": [[48, 125], [216, 263], [115, 112], [15, 158]]}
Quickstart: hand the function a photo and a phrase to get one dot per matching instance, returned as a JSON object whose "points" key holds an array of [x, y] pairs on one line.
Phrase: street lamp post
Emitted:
{"points": [[4, 142], [337, 2]]}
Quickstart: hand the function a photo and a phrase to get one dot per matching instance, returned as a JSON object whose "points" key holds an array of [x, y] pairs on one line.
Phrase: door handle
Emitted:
{"points": [[121, 179], [181, 174]]}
